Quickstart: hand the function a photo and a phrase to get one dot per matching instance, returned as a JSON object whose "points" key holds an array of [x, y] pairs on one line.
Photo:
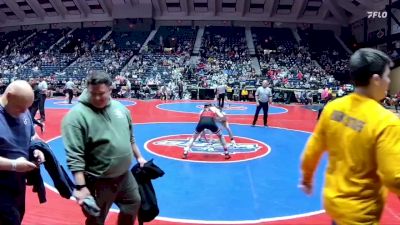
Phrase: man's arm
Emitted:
{"points": [[388, 158], [135, 148], [6, 164], [256, 95], [74, 146], [17, 165], [73, 138], [270, 96], [312, 153]]}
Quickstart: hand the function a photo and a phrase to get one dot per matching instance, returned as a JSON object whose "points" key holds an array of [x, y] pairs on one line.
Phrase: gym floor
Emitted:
{"points": [[258, 185]]}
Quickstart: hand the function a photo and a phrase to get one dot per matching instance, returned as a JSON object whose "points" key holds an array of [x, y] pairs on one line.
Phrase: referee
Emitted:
{"points": [[220, 93], [69, 88], [263, 98]]}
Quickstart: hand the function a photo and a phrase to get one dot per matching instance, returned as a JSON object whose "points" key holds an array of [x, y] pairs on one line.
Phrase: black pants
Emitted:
{"points": [[70, 95], [264, 106], [12, 202], [221, 100], [41, 107], [34, 108], [180, 93], [321, 109]]}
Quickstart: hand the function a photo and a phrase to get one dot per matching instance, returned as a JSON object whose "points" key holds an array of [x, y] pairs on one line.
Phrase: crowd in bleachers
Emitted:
{"points": [[166, 60], [224, 57], [287, 63]]}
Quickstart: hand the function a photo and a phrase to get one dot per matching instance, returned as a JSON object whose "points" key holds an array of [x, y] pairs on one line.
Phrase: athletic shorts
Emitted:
{"points": [[207, 123]]}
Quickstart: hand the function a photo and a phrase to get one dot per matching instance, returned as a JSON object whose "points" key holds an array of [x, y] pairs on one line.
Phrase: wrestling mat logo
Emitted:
{"points": [[207, 151], [228, 107]]}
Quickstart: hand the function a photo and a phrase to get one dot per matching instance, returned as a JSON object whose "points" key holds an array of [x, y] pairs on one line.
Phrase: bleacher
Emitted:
{"points": [[224, 43], [332, 57], [177, 39], [132, 40], [84, 38]]}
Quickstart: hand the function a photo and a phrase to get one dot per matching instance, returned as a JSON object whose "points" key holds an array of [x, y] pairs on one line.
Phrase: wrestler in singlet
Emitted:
{"points": [[207, 121]]}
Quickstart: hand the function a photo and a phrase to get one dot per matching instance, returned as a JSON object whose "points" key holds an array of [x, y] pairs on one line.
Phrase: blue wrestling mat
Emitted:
{"points": [[61, 104], [229, 108], [258, 184]]}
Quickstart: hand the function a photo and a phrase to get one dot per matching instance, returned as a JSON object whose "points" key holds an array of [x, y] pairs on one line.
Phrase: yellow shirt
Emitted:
{"points": [[363, 143]]}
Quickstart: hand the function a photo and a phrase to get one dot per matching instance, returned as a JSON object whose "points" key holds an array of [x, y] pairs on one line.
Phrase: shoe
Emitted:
{"points": [[233, 143], [185, 153], [253, 125], [227, 156]]}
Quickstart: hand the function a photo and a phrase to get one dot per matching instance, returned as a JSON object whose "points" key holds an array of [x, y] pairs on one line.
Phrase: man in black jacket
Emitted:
{"points": [[36, 101]]}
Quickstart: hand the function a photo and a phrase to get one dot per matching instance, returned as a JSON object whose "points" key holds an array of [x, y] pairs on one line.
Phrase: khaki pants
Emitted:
{"points": [[123, 191]]}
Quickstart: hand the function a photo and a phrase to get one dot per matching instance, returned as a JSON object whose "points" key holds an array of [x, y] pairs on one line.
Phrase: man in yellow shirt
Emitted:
{"points": [[363, 143]]}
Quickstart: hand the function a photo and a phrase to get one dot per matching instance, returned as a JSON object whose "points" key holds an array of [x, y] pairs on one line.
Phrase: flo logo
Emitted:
{"points": [[212, 151], [377, 14]]}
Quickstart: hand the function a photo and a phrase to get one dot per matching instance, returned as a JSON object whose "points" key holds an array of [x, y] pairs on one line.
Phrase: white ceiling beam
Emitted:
{"points": [[106, 5], [269, 7], [59, 7], [212, 7], [298, 7], [57, 19], [81, 6], [135, 2], [373, 5], [337, 12], [157, 7], [37, 8], [241, 6], [190, 5], [3, 17], [323, 12], [185, 7], [355, 10], [12, 4], [253, 17]]}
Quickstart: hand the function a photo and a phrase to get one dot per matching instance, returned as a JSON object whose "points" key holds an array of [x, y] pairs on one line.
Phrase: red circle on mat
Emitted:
{"points": [[172, 147]]}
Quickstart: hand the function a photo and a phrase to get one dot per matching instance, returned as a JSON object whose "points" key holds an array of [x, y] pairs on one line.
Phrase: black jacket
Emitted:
{"points": [[148, 208], [60, 178]]}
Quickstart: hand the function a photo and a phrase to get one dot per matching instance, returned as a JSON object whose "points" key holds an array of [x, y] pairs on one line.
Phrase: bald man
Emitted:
{"points": [[263, 98], [16, 133]]}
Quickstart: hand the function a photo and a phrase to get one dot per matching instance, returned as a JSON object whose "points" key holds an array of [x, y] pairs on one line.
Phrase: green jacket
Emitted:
{"points": [[98, 141]]}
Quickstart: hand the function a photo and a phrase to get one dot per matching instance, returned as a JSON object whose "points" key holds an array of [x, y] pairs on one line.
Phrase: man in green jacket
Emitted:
{"points": [[98, 138]]}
